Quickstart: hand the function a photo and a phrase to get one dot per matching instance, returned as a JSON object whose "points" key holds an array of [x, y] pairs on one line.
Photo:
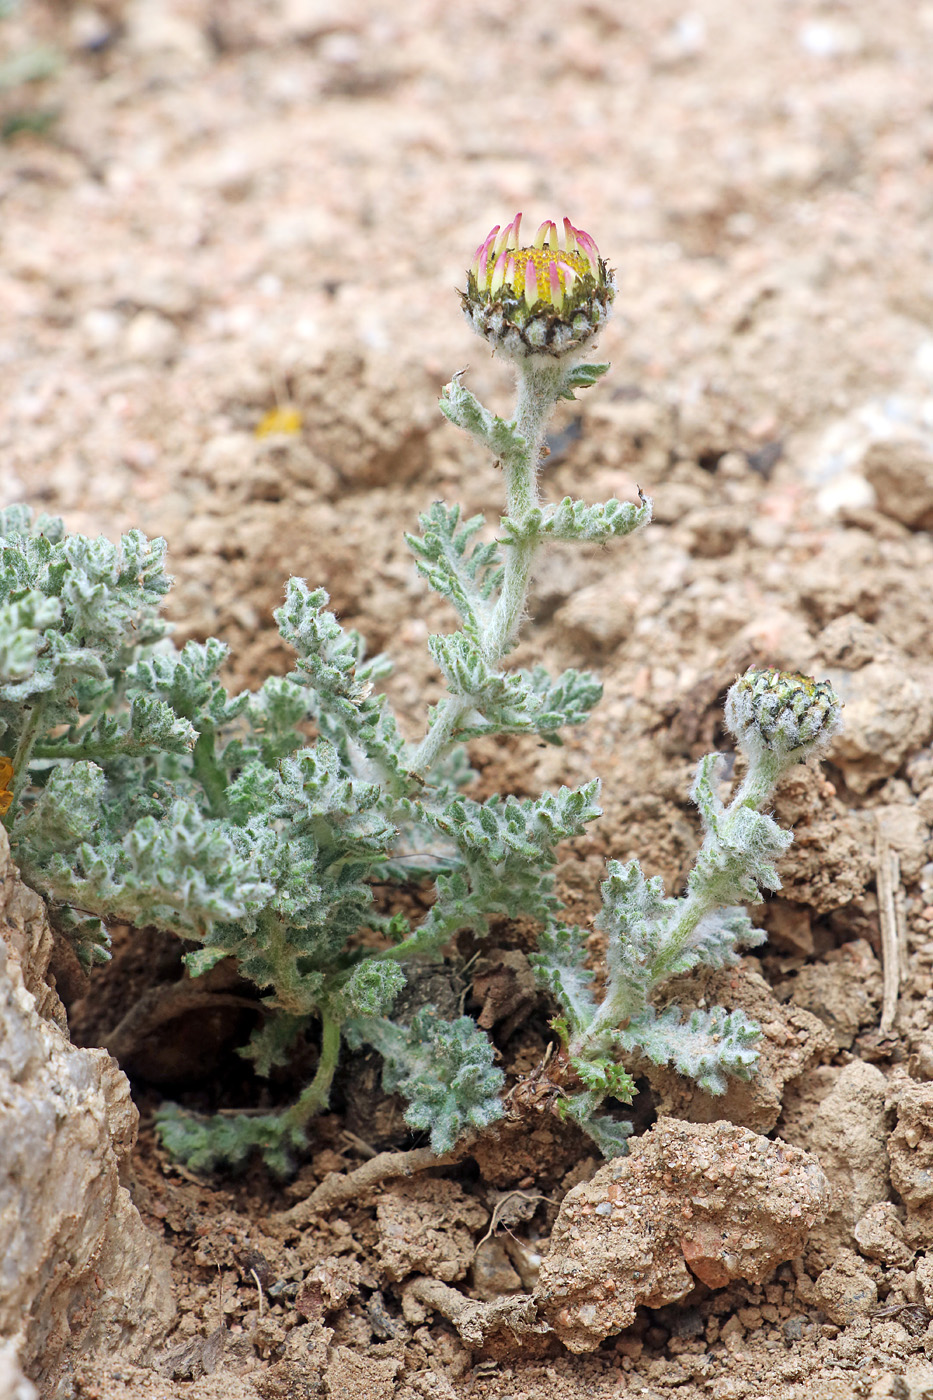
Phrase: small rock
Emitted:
{"points": [[493, 1274], [830, 38], [888, 714], [150, 336], [910, 1149], [75, 1280], [717, 1198], [152, 30], [846, 1290], [879, 1235], [793, 1329], [101, 328], [901, 472]]}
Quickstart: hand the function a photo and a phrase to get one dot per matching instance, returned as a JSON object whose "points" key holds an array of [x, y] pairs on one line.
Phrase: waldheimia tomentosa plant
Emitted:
{"points": [[141, 791]]}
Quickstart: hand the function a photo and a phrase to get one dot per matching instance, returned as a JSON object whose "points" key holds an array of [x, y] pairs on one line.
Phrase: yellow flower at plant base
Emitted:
{"points": [[541, 299], [284, 420], [6, 778]]}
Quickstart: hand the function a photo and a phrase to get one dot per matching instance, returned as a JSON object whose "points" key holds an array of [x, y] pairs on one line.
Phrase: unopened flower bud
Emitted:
{"points": [[548, 298], [783, 713]]}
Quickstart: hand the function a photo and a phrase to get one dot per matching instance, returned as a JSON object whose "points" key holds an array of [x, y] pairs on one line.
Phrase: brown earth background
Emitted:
{"points": [[247, 206]]}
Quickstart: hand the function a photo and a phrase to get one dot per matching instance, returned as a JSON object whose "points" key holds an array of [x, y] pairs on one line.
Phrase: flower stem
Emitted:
{"points": [[539, 386], [624, 998]]}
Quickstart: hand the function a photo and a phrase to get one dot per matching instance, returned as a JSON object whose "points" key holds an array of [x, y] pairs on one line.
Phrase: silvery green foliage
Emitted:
{"points": [[145, 793], [777, 720], [142, 791], [442, 1068]]}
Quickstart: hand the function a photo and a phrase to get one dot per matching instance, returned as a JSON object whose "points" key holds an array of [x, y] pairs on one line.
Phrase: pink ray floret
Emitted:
{"points": [[508, 238], [557, 295], [570, 276], [481, 260], [531, 283], [498, 271], [587, 247]]}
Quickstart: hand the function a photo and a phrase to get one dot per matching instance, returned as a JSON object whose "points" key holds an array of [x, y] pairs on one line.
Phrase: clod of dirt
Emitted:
{"points": [[351, 1376], [844, 991], [903, 827], [840, 1115], [879, 1235], [910, 1148], [888, 710], [73, 1281], [427, 1226], [846, 1290], [829, 863], [789, 927], [299, 1375], [925, 1280], [537, 1146], [793, 1040], [901, 472], [712, 1202], [845, 577]]}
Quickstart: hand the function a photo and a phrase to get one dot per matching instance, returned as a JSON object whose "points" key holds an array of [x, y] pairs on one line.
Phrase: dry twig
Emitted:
{"points": [[893, 928]]}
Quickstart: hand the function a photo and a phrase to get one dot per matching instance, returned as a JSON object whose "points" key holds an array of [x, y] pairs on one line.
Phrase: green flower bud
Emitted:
{"points": [[539, 300], [783, 713]]}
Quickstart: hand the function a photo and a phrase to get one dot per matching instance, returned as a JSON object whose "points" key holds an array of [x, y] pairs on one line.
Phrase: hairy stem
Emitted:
{"points": [[539, 387], [315, 1098], [207, 771], [623, 998], [20, 760]]}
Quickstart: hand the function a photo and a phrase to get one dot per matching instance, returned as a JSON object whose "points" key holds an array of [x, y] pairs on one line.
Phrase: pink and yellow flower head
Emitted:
{"points": [[546, 298]]}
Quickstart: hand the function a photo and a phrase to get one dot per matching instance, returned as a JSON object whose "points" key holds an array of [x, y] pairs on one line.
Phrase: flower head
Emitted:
{"points": [[783, 712], [540, 299]]}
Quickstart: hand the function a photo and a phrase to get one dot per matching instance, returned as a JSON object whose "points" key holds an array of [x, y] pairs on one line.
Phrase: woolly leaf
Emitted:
{"points": [[575, 520], [443, 1068], [465, 411], [581, 376], [89, 937], [205, 1144], [706, 1046], [559, 966], [271, 1044], [465, 576]]}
